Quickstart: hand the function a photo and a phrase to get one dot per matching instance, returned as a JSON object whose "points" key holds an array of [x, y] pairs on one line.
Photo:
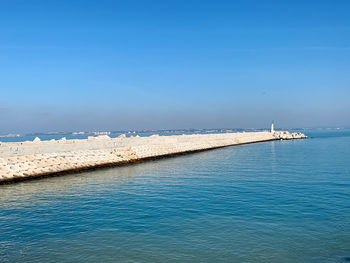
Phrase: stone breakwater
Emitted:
{"points": [[30, 159]]}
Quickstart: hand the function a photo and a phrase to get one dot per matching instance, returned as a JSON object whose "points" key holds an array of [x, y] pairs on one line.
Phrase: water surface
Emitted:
{"points": [[281, 201]]}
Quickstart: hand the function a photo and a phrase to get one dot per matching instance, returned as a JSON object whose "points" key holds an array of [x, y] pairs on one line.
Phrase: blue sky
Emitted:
{"points": [[110, 65]]}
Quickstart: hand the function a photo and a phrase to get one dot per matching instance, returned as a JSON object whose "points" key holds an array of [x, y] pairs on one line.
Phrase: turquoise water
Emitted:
{"points": [[282, 201]]}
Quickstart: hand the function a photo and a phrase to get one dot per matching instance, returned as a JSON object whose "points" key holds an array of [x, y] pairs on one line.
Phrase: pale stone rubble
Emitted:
{"points": [[21, 160], [284, 135]]}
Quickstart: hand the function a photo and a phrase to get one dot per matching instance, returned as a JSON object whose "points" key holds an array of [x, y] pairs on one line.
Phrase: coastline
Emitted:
{"points": [[36, 159]]}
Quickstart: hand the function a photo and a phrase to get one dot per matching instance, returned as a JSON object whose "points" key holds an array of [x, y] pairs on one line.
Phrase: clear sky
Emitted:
{"points": [[110, 65]]}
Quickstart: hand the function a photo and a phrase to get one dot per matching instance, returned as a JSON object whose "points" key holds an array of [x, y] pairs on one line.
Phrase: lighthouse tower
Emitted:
{"points": [[272, 129]]}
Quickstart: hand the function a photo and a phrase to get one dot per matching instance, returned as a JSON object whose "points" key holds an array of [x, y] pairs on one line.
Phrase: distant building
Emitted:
{"points": [[272, 129], [78, 133]]}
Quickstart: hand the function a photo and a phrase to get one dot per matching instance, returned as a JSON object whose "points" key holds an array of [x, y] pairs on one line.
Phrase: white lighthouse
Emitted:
{"points": [[272, 129]]}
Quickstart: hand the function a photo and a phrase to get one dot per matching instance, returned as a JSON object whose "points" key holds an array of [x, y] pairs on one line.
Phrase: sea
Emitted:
{"points": [[273, 202]]}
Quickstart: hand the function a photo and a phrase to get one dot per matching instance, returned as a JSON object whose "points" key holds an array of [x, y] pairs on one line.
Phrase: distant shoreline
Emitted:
{"points": [[146, 132]]}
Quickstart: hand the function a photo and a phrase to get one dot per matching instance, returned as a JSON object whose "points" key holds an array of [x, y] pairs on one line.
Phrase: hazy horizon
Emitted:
{"points": [[117, 65], [116, 131]]}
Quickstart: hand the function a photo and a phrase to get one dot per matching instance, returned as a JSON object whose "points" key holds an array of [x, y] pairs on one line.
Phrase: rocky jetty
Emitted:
{"points": [[284, 135], [23, 160]]}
